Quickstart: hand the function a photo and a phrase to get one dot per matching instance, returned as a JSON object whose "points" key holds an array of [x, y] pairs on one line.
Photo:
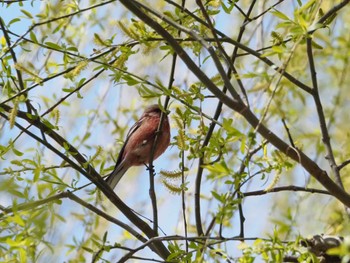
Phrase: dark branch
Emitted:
{"points": [[286, 188], [322, 120]]}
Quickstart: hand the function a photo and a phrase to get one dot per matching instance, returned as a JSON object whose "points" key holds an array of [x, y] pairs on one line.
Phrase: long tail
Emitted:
{"points": [[114, 178]]}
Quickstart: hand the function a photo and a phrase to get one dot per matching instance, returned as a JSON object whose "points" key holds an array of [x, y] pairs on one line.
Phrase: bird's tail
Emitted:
{"points": [[116, 175]]}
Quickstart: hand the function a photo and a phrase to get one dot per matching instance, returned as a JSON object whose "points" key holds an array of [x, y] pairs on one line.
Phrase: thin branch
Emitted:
{"points": [[263, 13], [250, 153], [96, 256], [183, 196], [159, 130], [343, 164], [235, 52], [12, 1], [332, 12], [286, 188], [246, 17], [106, 216], [152, 195], [322, 120], [7, 171], [200, 169], [13, 55], [183, 190], [14, 58], [288, 133]]}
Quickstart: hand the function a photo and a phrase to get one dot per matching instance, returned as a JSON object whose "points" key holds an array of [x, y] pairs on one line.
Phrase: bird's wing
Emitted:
{"points": [[130, 133], [121, 153]]}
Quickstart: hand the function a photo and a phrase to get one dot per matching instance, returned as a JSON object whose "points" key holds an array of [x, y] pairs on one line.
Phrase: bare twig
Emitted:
{"points": [[32, 169], [183, 192], [322, 120], [343, 164], [288, 132], [106, 216], [263, 13], [286, 188]]}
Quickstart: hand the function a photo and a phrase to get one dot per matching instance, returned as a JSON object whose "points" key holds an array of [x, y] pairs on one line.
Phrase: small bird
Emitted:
{"points": [[139, 142]]}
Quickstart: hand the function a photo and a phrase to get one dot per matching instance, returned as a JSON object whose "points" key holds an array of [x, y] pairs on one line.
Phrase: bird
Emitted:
{"points": [[139, 143]]}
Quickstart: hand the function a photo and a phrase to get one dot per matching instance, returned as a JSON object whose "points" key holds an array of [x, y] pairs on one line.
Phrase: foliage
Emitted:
{"points": [[257, 94]]}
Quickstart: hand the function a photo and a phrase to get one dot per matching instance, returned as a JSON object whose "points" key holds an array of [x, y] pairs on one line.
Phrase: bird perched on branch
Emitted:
{"points": [[139, 142]]}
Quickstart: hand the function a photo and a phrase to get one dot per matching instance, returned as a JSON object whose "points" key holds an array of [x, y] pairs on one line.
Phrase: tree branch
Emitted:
{"points": [[286, 188], [343, 164], [332, 12], [322, 120]]}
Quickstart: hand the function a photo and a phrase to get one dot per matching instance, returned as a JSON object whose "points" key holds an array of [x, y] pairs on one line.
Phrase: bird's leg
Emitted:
{"points": [[150, 168]]}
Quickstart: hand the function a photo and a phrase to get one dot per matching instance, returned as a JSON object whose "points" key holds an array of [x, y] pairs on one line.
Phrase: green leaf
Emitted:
{"points": [[17, 152], [217, 196], [315, 45], [227, 124], [13, 21], [53, 45], [219, 168], [36, 173], [130, 80], [3, 41], [33, 37], [16, 162], [18, 220], [278, 49], [307, 5], [28, 14], [227, 9], [280, 15]]}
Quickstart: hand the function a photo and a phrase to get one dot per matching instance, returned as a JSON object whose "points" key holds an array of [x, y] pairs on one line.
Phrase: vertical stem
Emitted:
{"points": [[322, 120]]}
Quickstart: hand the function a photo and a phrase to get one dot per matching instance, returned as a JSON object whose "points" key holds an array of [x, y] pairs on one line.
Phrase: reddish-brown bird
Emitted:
{"points": [[139, 142]]}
